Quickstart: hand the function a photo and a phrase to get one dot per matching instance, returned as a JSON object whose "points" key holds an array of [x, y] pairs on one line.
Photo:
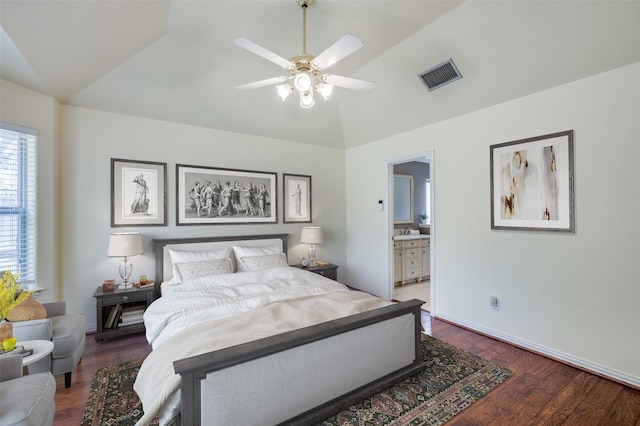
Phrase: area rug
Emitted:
{"points": [[452, 380]]}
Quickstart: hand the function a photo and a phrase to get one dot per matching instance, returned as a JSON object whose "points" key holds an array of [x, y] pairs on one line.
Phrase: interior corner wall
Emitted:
{"points": [[91, 138], [573, 296], [24, 107]]}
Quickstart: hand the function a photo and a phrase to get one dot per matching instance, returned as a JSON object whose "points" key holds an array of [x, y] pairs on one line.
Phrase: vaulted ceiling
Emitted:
{"points": [[176, 61]]}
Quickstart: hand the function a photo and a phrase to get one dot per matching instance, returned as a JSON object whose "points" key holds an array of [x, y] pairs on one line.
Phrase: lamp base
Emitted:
{"points": [[125, 269], [125, 286], [312, 255]]}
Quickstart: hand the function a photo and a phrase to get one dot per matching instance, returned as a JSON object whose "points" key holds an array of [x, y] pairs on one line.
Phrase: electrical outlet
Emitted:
{"points": [[494, 302]]}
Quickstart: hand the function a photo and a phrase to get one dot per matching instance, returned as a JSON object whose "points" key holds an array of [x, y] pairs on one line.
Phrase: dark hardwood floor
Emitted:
{"points": [[541, 391]]}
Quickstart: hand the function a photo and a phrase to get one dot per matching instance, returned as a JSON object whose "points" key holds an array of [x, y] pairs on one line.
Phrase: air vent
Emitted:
{"points": [[440, 75]]}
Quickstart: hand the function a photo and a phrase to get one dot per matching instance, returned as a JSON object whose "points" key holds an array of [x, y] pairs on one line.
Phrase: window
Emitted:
{"points": [[18, 201]]}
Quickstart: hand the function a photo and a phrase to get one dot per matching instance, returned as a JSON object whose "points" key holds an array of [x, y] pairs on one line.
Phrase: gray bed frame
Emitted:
{"points": [[366, 352]]}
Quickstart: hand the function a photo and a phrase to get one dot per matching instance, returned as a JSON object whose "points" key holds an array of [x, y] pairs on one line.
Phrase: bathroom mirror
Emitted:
{"points": [[403, 199]]}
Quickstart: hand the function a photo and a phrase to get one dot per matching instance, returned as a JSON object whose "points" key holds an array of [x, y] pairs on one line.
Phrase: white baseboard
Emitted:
{"points": [[546, 351]]}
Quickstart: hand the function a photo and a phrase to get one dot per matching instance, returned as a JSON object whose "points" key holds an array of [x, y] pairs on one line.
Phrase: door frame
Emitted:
{"points": [[390, 163]]}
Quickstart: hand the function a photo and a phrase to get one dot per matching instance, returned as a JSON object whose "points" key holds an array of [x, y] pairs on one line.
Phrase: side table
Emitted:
{"points": [[111, 305], [329, 271], [41, 349]]}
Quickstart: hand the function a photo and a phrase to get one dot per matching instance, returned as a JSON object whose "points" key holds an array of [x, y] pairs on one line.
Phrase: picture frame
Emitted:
{"points": [[205, 198], [296, 192], [532, 184], [138, 193]]}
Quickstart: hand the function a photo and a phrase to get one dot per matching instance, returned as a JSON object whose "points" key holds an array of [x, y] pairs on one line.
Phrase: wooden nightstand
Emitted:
{"points": [[119, 312], [329, 271]]}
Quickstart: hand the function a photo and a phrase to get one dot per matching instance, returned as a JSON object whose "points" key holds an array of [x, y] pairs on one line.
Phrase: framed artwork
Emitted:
{"points": [[211, 195], [296, 190], [138, 193], [532, 184]]}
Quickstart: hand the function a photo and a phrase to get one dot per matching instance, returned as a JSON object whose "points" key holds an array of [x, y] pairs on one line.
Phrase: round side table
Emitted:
{"points": [[41, 349]]}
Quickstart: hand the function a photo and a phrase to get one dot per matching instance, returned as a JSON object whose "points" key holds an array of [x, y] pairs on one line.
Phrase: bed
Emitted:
{"points": [[241, 337]]}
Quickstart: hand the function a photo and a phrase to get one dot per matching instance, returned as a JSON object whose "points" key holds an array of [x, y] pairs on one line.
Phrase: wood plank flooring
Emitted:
{"points": [[541, 391]]}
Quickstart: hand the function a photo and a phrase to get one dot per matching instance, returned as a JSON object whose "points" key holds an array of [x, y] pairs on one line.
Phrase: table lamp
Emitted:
{"points": [[125, 244], [312, 235]]}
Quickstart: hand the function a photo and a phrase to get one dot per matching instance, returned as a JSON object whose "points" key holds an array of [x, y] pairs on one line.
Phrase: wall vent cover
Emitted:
{"points": [[440, 75]]}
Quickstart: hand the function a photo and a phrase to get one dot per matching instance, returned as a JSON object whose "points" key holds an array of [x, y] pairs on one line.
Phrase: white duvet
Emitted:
{"points": [[219, 311], [220, 296]]}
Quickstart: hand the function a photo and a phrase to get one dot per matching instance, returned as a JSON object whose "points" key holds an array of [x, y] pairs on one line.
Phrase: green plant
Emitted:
{"points": [[423, 216], [11, 294]]}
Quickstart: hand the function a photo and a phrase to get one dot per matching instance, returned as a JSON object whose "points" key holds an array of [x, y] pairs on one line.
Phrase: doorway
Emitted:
{"points": [[420, 166]]}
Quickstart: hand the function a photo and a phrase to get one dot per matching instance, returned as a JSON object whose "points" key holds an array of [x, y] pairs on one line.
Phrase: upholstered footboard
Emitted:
{"points": [[304, 375]]}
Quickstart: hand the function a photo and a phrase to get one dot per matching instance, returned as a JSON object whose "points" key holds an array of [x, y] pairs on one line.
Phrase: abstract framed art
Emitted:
{"points": [[296, 190], [138, 193], [532, 184], [212, 195]]}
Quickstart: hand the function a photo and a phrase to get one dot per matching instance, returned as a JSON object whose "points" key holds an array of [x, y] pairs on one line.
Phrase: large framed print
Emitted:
{"points": [[532, 184], [138, 193], [212, 195], [296, 191]]}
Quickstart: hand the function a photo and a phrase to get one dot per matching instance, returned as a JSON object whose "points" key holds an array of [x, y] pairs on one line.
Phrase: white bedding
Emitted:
{"points": [[218, 311], [219, 296]]}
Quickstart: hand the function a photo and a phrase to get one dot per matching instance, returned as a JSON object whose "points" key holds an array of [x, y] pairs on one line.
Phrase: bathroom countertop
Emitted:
{"points": [[410, 237]]}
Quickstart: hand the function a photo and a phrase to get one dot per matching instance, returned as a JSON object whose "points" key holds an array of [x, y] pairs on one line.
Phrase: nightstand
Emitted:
{"points": [[119, 312], [329, 271]]}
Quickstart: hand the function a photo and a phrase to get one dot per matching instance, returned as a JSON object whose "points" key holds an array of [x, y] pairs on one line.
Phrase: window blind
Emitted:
{"points": [[18, 212]]}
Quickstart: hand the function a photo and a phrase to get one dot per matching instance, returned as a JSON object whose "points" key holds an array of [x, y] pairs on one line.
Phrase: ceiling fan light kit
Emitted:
{"points": [[306, 71]]}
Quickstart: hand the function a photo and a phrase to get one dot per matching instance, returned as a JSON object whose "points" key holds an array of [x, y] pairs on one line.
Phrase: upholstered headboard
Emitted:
{"points": [[163, 260]]}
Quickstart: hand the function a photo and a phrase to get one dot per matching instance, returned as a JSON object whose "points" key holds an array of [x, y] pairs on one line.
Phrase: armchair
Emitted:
{"points": [[28, 400], [66, 331]]}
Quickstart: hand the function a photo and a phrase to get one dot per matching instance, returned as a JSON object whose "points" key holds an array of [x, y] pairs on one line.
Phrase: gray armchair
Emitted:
{"points": [[66, 331], [28, 400]]}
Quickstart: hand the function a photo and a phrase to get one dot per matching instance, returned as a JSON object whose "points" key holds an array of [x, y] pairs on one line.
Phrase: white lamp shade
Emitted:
{"points": [[124, 244], [312, 235]]}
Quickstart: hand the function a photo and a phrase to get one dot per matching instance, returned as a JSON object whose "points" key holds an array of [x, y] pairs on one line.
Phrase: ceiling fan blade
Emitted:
{"points": [[265, 53], [261, 83], [349, 83], [345, 46]]}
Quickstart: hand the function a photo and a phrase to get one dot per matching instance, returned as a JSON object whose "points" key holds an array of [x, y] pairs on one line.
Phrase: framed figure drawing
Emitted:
{"points": [[297, 198], [212, 195], [138, 193], [532, 184]]}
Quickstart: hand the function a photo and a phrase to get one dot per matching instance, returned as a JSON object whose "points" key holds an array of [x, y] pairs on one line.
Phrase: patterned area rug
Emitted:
{"points": [[452, 380]]}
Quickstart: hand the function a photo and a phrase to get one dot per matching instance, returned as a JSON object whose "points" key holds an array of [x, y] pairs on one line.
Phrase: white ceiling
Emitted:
{"points": [[176, 61]]}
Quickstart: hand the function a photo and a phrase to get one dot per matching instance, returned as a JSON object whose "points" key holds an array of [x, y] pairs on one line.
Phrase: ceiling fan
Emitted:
{"points": [[307, 72]]}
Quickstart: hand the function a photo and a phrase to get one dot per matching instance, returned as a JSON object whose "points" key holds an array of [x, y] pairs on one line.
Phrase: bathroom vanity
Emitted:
{"points": [[411, 258]]}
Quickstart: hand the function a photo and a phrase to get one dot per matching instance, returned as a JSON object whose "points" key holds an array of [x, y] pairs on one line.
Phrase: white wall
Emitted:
{"points": [[91, 138], [30, 109], [573, 296]]}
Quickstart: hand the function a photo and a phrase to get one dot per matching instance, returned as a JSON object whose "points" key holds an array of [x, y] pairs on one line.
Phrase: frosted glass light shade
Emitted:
{"points": [[302, 81], [284, 90], [306, 99], [324, 90]]}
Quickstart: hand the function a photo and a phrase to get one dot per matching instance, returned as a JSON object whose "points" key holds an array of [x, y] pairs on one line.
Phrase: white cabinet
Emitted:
{"points": [[411, 260]]}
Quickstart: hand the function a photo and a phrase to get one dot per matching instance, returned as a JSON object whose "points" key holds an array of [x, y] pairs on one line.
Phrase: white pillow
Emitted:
{"points": [[267, 261], [240, 252], [178, 256], [192, 270]]}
